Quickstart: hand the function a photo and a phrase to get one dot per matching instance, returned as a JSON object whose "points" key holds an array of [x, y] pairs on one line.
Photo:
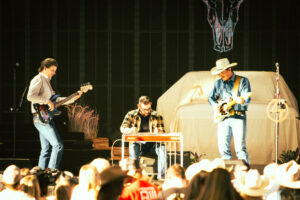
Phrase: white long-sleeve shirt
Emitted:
{"points": [[40, 91]]}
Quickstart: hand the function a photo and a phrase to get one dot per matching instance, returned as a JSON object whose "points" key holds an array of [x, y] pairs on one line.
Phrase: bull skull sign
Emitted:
{"points": [[222, 17]]}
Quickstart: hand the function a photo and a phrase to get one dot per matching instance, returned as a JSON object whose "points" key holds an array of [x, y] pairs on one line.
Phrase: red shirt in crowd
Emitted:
{"points": [[139, 190]]}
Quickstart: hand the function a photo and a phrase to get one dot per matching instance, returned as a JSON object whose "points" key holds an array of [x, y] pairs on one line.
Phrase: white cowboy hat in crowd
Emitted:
{"points": [[216, 163], [252, 184], [288, 175], [195, 168], [221, 65], [11, 175], [270, 170]]}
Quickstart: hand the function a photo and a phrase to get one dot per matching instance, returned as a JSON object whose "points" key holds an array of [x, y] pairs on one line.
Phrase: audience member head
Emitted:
{"points": [[288, 175], [24, 172], [11, 177], [252, 185], [175, 171], [218, 186], [239, 169], [89, 183], [270, 170], [30, 185], [131, 167], [112, 180], [100, 164], [44, 181], [196, 168], [35, 170], [63, 190], [68, 176], [196, 184], [88, 178], [175, 177]]}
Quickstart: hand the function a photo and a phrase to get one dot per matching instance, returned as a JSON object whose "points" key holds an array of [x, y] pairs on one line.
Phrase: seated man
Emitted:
{"points": [[144, 119]]}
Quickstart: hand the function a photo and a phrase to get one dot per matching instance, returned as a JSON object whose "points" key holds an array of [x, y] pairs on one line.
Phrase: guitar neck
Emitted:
{"points": [[66, 99], [231, 103]]}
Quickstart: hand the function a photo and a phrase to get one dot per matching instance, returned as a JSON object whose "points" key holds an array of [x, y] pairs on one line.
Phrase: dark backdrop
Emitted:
{"points": [[128, 48]]}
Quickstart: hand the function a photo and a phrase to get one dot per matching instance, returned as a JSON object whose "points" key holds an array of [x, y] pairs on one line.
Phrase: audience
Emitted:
{"points": [[287, 175], [11, 181], [204, 180]]}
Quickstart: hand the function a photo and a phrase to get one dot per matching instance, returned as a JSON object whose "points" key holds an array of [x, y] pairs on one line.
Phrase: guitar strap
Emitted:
{"points": [[236, 86]]}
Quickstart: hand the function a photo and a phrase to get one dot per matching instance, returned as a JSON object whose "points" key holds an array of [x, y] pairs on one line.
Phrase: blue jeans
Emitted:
{"points": [[237, 127], [135, 150], [51, 144]]}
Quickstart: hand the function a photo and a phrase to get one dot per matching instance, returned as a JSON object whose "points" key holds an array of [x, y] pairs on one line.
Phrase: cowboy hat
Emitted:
{"points": [[221, 65], [270, 170], [288, 175], [11, 175], [252, 184], [195, 168]]}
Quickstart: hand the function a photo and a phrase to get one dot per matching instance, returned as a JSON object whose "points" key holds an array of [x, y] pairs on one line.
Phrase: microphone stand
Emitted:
{"points": [[277, 110], [15, 109]]}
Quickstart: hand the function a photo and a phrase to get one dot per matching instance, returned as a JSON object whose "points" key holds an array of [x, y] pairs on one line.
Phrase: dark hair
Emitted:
{"points": [[144, 100], [195, 186], [47, 63], [218, 186], [290, 194], [111, 190]]}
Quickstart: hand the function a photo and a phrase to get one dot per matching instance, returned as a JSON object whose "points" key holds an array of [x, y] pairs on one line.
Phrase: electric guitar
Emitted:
{"points": [[46, 115], [223, 113]]}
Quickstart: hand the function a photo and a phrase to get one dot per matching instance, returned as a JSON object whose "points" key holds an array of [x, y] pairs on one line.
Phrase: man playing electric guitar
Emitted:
{"points": [[234, 92], [40, 92]]}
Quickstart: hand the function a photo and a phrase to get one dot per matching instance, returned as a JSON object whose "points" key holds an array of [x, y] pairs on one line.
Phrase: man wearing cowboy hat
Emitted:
{"points": [[233, 92]]}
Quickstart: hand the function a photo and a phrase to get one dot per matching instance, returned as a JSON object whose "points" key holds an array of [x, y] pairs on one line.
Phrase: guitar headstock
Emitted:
{"points": [[86, 87]]}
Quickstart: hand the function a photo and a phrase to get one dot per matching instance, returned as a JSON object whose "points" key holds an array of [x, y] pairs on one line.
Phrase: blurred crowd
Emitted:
{"points": [[203, 180]]}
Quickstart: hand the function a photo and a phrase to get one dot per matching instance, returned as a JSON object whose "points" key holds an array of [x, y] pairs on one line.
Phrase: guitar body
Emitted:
{"points": [[45, 115], [220, 116], [43, 111]]}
